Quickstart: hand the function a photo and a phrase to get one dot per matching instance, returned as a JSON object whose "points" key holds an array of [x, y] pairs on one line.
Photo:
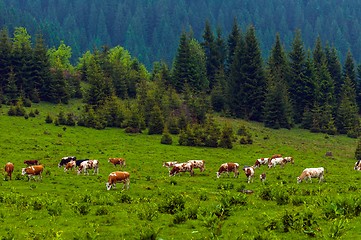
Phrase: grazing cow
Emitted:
{"points": [[289, 160], [115, 161], [9, 169], [262, 177], [65, 160], [276, 156], [357, 165], [260, 161], [78, 162], [32, 171], [89, 164], [198, 164], [249, 171], [118, 176], [70, 165], [227, 168], [276, 161], [181, 167], [169, 165], [31, 162], [310, 173]]}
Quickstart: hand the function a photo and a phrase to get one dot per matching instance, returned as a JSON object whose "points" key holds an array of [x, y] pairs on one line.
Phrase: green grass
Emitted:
{"points": [[65, 205]]}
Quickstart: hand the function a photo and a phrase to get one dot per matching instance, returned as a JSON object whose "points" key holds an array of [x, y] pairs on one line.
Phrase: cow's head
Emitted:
{"points": [[23, 171], [299, 180], [108, 186]]}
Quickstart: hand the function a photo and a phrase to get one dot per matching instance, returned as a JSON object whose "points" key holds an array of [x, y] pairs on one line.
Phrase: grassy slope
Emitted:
{"points": [[26, 207]]}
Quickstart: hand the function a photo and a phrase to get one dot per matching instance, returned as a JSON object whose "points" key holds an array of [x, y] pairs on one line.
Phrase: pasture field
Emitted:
{"points": [[65, 205]]}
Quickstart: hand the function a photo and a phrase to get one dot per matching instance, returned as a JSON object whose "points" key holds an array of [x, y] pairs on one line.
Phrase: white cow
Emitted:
{"points": [[357, 165], [198, 164], [260, 161], [310, 173], [89, 164], [276, 161]]}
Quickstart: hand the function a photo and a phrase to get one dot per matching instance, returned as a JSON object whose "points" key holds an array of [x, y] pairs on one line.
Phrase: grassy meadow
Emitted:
{"points": [[65, 205]]}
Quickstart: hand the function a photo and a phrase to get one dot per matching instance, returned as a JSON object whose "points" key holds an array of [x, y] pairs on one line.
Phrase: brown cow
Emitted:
{"points": [[227, 168], [9, 169], [262, 177], [31, 162], [70, 165], [181, 167], [33, 171], [115, 161], [118, 176], [169, 165]]}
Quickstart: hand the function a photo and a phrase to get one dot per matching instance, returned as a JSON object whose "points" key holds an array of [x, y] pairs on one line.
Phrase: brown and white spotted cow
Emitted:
{"points": [[33, 171], [9, 169], [181, 167], [169, 165], [227, 168], [262, 177], [249, 171], [117, 161], [276, 161], [118, 176], [198, 164], [89, 164], [310, 173], [260, 161], [70, 165], [289, 160], [357, 165], [31, 162]]}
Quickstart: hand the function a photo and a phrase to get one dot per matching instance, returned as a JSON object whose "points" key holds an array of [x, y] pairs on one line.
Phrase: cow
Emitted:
{"points": [[31, 162], [198, 164], [78, 162], [276, 156], [89, 164], [276, 161], [249, 171], [9, 169], [260, 161], [32, 171], [118, 176], [70, 165], [310, 173], [357, 165], [181, 167], [227, 168], [289, 160], [169, 165], [115, 161], [65, 160], [262, 177]]}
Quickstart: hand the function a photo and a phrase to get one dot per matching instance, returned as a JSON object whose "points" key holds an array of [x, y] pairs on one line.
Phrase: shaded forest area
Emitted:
{"points": [[150, 29]]}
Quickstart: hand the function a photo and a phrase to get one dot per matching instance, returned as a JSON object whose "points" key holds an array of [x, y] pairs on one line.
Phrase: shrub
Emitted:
{"points": [[166, 139], [31, 113], [48, 119], [266, 194], [180, 217], [102, 211], [282, 197], [124, 198], [148, 233], [172, 204], [148, 212], [82, 209]]}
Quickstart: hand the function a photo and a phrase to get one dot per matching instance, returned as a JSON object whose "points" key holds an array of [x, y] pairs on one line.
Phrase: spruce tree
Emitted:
{"points": [[156, 121], [5, 59], [334, 68], [180, 71], [300, 84], [209, 47], [232, 42], [277, 111], [254, 79]]}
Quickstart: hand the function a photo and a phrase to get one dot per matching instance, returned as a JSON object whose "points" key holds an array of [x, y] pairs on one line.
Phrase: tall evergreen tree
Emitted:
{"points": [[209, 47], [180, 71], [349, 69], [5, 57], [334, 68], [347, 119], [278, 109], [232, 42], [254, 81]]}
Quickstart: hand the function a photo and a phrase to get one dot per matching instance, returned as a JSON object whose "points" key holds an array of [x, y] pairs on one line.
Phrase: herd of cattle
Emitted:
{"points": [[34, 168], [277, 159], [69, 163]]}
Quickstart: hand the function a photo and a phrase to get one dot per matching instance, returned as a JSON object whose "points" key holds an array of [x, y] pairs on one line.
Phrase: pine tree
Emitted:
{"points": [[347, 120], [156, 121], [277, 111], [254, 81], [300, 84], [5, 59], [226, 139], [180, 71], [232, 42], [209, 47], [334, 68]]}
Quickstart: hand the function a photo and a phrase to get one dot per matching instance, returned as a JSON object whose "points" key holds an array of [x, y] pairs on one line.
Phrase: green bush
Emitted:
{"points": [[172, 204]]}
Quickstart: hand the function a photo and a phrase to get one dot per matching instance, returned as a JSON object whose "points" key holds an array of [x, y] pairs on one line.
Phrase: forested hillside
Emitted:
{"points": [[150, 29]]}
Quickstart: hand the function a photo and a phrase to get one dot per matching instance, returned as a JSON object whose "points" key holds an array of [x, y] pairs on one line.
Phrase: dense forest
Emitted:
{"points": [[223, 74], [150, 29]]}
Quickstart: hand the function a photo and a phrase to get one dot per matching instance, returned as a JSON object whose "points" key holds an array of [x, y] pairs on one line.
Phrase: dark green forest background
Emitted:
{"points": [[150, 29]]}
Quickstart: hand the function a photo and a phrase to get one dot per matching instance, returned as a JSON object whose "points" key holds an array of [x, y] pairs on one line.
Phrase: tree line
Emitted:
{"points": [[300, 87], [150, 29]]}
